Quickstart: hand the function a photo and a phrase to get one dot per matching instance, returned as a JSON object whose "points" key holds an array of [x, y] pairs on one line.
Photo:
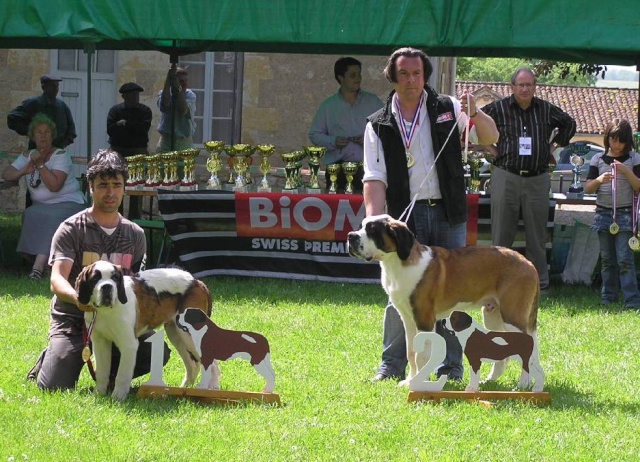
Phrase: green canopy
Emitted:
{"points": [[565, 30]]}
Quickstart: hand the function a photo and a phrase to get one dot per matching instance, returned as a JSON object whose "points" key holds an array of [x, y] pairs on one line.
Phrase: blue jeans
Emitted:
{"points": [[616, 257], [432, 228]]}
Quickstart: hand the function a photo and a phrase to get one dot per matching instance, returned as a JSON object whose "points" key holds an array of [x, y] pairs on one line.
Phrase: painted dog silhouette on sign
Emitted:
{"points": [[216, 344], [480, 344]]}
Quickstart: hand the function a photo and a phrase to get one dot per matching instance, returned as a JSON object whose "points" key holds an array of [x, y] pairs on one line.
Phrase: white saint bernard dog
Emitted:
{"points": [[428, 283], [122, 308]]}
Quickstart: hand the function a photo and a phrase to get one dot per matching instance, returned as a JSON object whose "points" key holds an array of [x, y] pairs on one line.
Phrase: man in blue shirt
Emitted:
{"points": [[341, 119], [177, 105]]}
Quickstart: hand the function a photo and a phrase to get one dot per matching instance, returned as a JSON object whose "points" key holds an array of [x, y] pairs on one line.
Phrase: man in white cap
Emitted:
{"points": [[20, 117]]}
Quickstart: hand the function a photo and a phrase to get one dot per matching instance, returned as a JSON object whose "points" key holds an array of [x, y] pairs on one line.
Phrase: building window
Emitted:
{"points": [[103, 61], [216, 79]]}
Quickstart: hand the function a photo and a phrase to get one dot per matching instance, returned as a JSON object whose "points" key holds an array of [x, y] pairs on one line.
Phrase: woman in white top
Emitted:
{"points": [[54, 193]]}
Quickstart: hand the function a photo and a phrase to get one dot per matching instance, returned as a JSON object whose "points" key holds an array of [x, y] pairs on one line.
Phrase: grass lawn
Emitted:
{"points": [[326, 342]]}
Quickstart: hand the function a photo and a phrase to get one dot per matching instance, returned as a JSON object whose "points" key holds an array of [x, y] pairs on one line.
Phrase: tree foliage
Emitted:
{"points": [[547, 72]]}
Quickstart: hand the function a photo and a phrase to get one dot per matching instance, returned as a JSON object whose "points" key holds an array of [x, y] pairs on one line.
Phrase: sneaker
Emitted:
{"points": [[380, 377]]}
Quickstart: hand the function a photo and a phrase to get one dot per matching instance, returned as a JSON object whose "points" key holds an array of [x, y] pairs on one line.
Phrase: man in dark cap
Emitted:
{"points": [[128, 123], [128, 126], [20, 117]]}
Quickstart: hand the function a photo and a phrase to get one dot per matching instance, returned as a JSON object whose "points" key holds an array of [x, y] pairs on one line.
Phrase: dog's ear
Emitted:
{"points": [[119, 280], [404, 239], [84, 288], [194, 316], [460, 320]]}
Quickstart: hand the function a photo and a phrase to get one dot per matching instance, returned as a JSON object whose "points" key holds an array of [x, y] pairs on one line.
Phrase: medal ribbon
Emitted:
{"points": [[86, 336], [614, 190], [406, 138]]}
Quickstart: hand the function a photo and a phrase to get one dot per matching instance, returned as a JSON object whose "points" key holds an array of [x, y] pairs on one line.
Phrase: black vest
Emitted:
{"points": [[449, 166]]}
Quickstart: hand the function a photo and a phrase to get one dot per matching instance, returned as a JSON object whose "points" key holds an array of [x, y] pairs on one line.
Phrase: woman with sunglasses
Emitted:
{"points": [[54, 193]]}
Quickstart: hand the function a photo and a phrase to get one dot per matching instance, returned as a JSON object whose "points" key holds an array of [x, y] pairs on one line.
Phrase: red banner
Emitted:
{"points": [[324, 217]]}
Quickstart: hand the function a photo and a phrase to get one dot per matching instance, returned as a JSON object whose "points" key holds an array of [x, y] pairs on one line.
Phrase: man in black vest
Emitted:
{"points": [[417, 136]]}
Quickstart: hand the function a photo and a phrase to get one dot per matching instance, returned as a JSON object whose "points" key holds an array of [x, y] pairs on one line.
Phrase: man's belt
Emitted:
{"points": [[429, 202], [524, 173]]}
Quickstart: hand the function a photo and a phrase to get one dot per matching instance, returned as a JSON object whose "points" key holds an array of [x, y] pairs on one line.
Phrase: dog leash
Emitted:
{"points": [[86, 351]]}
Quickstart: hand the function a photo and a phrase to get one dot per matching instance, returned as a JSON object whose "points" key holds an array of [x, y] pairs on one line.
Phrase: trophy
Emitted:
{"points": [[298, 157], [153, 172], [315, 153], [248, 160], [350, 170], [576, 191], [475, 162], [333, 170], [170, 164], [238, 152], [290, 170], [188, 156], [214, 164], [265, 151]]}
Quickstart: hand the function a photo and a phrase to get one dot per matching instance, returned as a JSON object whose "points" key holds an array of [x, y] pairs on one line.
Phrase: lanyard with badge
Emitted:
{"points": [[524, 143]]}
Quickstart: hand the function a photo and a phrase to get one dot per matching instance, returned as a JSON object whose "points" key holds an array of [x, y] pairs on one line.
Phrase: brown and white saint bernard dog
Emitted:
{"points": [[122, 308], [481, 345], [428, 283]]}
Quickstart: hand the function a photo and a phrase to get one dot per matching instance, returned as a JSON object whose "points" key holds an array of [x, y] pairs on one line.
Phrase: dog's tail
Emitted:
{"points": [[532, 324]]}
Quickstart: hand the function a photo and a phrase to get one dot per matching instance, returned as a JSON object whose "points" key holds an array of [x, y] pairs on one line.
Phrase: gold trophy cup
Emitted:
{"points": [[475, 162], [238, 153], [333, 170], [214, 164], [290, 170], [315, 153], [188, 156], [265, 151], [350, 170]]}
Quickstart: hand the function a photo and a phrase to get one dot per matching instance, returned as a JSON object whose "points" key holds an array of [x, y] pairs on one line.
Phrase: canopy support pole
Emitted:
{"points": [[89, 49]]}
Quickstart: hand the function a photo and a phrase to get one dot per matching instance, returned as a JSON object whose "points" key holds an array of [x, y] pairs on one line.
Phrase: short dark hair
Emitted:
{"points": [[106, 164], [42, 119], [514, 76], [407, 52], [341, 66], [619, 130]]}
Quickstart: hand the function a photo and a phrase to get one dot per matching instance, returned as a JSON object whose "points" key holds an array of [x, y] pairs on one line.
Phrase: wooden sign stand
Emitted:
{"points": [[518, 345], [220, 344]]}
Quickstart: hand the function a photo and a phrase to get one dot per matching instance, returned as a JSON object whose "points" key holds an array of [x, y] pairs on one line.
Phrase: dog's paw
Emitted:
{"points": [[120, 394], [404, 383]]}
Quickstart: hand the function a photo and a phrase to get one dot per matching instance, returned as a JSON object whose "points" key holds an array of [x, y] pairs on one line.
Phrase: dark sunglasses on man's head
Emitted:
{"points": [[37, 182]]}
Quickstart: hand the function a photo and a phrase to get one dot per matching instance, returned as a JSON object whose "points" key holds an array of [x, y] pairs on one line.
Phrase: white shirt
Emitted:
{"points": [[421, 148]]}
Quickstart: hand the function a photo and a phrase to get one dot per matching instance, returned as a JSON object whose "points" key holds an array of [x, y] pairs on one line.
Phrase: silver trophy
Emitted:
{"points": [[576, 191]]}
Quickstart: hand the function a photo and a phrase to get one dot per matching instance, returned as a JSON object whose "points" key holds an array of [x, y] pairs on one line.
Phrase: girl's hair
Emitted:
{"points": [[619, 129]]}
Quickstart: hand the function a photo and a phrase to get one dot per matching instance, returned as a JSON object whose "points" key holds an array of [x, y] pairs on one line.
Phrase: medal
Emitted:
{"points": [[86, 353], [634, 243], [614, 228], [408, 136], [410, 159]]}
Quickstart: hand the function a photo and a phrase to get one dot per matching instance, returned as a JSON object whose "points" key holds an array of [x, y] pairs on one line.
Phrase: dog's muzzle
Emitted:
{"points": [[107, 292], [354, 244]]}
